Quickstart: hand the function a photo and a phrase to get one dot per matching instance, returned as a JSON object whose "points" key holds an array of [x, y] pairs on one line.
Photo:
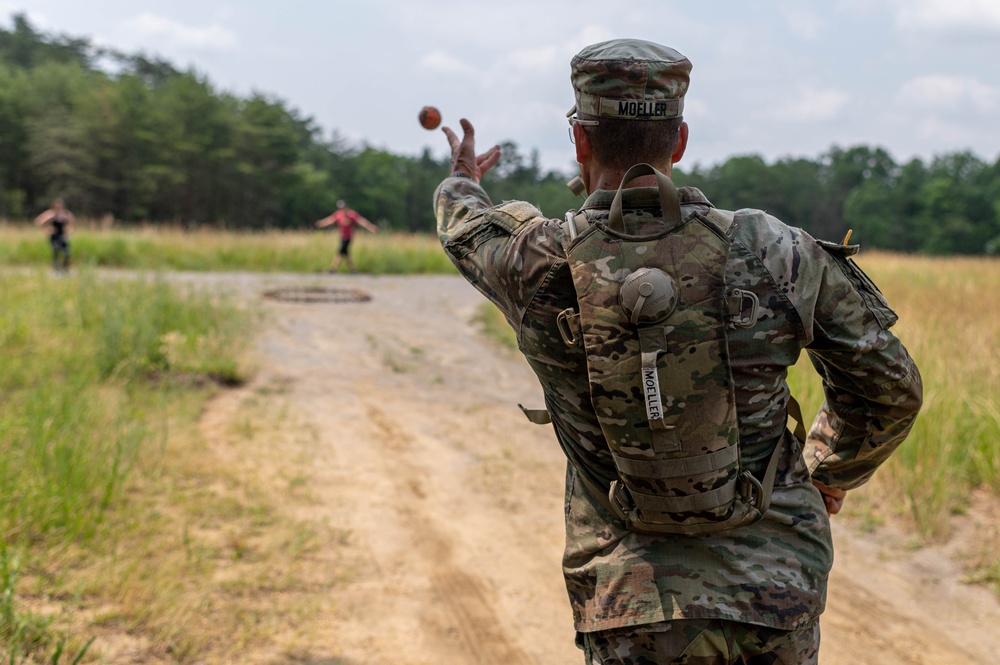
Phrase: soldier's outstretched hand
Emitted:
{"points": [[463, 153]]}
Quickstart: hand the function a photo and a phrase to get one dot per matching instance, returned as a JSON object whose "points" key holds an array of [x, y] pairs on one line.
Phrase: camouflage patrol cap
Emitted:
{"points": [[631, 79]]}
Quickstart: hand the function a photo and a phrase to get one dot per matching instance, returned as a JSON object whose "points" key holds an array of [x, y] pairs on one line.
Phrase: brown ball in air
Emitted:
{"points": [[430, 117]]}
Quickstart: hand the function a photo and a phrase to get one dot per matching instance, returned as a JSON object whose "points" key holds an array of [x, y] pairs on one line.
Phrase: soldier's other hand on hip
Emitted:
{"points": [[833, 497]]}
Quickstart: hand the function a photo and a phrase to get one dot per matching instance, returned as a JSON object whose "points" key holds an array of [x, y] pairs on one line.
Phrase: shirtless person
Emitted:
{"points": [[62, 222]]}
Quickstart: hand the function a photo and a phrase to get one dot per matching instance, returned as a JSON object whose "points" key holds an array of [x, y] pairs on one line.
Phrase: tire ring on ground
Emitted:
{"points": [[317, 294]]}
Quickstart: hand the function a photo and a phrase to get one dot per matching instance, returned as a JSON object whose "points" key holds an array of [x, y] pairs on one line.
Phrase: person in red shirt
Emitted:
{"points": [[346, 219]]}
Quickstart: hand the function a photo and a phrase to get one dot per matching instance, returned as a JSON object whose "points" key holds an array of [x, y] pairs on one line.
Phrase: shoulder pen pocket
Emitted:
{"points": [[870, 293], [873, 297]]}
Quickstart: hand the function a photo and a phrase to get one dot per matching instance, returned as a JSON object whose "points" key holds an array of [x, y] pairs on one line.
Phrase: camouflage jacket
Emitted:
{"points": [[772, 573]]}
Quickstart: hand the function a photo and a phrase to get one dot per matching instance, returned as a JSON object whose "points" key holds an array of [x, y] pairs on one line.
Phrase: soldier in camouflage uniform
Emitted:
{"points": [[751, 594]]}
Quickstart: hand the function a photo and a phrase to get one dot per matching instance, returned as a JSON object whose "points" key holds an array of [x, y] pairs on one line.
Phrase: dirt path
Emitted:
{"points": [[453, 501]]}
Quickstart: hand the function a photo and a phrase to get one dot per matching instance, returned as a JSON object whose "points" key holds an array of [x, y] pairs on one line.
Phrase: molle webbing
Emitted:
{"points": [[653, 313], [678, 468]]}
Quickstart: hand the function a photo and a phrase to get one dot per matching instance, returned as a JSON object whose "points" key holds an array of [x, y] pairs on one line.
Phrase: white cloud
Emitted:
{"points": [[811, 105], [209, 38], [804, 24], [696, 107], [948, 93], [541, 59], [522, 69], [945, 136], [440, 62], [966, 16]]}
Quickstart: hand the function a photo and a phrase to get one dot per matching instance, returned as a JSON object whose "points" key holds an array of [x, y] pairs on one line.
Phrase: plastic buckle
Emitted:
{"points": [[616, 495], [746, 319]]}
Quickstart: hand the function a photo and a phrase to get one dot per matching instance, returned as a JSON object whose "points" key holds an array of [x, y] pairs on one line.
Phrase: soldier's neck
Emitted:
{"points": [[611, 179]]}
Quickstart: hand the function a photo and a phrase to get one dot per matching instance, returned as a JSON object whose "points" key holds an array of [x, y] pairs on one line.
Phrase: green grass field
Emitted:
{"points": [[271, 251], [94, 374]]}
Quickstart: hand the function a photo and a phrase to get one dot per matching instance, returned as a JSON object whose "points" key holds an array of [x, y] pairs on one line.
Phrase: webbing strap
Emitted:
{"points": [[710, 500], [795, 411], [651, 389], [576, 223], [537, 416], [670, 202], [767, 484], [734, 305], [675, 468], [651, 343]]}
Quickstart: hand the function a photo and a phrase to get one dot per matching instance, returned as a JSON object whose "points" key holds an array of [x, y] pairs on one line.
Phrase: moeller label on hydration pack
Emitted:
{"points": [[654, 404]]}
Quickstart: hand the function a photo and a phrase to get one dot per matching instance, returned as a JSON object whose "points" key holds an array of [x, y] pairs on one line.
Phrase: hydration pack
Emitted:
{"points": [[652, 314]]}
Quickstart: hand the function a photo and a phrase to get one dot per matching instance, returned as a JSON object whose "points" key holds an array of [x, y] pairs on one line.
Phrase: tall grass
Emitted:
{"points": [[949, 323], [156, 248], [88, 368]]}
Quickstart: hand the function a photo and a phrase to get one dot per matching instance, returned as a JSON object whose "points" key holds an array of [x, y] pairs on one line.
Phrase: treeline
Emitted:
{"points": [[949, 206], [134, 138]]}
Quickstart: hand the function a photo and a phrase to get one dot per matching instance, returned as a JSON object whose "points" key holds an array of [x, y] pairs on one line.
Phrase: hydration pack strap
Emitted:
{"points": [[670, 202], [767, 484], [675, 468], [689, 466], [652, 342], [536, 416], [686, 504], [795, 411]]}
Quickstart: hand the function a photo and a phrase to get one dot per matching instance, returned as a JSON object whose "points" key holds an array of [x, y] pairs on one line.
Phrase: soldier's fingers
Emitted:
{"points": [[488, 159], [452, 138], [492, 150], [835, 492], [468, 135]]}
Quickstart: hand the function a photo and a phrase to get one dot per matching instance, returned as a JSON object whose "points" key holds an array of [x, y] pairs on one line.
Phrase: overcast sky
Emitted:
{"points": [[774, 77]]}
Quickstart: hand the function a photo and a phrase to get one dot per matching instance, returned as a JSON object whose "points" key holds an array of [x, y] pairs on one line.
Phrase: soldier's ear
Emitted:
{"points": [[582, 142], [682, 143]]}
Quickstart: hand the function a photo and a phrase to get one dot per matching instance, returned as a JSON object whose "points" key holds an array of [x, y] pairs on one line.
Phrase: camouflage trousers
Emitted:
{"points": [[701, 642]]}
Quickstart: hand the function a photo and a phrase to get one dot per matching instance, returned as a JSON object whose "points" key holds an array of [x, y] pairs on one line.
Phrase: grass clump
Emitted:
{"points": [[91, 370]]}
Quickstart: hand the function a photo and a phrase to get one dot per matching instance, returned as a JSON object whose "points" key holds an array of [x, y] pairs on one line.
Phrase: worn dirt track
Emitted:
{"points": [[454, 502]]}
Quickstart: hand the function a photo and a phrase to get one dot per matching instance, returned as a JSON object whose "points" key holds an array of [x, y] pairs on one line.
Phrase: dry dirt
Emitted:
{"points": [[453, 501]]}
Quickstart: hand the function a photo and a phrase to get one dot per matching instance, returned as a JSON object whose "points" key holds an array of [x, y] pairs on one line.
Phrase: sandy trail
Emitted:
{"points": [[454, 501]]}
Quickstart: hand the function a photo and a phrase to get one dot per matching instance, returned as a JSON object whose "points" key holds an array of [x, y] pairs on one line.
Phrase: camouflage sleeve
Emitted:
{"points": [[482, 241], [872, 387], [457, 201]]}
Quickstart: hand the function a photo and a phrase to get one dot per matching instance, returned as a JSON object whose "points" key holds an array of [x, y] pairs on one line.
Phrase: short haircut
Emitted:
{"points": [[619, 143]]}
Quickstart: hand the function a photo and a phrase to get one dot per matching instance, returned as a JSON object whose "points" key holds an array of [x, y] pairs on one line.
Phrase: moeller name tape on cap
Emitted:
{"points": [[645, 110]]}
